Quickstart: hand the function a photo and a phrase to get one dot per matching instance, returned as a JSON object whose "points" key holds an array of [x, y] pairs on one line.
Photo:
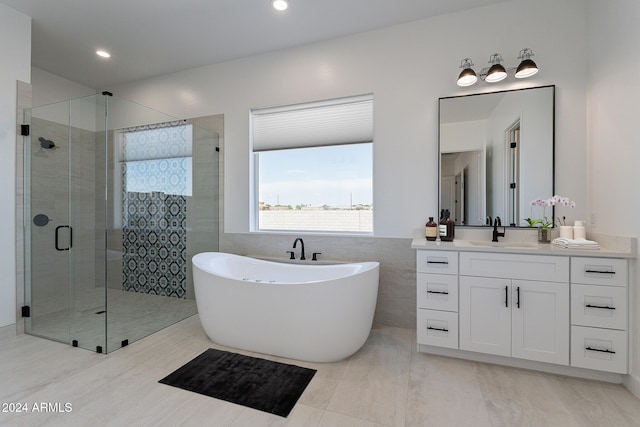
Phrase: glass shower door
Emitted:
{"points": [[65, 296], [47, 293]]}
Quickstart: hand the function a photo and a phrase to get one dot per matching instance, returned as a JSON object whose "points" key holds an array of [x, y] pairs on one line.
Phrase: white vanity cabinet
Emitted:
{"points": [[543, 308], [599, 314], [501, 313]]}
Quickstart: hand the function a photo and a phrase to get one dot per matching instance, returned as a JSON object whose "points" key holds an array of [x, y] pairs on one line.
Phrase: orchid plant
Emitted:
{"points": [[544, 223]]}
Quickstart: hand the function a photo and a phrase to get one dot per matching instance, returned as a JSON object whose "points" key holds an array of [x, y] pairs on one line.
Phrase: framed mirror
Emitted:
{"points": [[496, 154]]}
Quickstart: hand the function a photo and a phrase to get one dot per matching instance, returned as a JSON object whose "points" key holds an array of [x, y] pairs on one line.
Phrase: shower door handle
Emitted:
{"points": [[58, 238]]}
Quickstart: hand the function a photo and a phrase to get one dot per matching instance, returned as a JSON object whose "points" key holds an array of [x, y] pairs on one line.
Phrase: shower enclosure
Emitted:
{"points": [[118, 198]]}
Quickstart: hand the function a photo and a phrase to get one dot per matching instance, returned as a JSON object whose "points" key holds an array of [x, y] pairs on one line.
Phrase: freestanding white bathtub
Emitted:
{"points": [[318, 313]]}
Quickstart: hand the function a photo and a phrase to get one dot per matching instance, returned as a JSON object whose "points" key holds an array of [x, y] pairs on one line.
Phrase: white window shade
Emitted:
{"points": [[159, 141], [333, 122]]}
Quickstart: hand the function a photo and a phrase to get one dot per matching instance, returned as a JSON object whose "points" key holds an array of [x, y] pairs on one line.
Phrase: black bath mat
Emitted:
{"points": [[257, 383]]}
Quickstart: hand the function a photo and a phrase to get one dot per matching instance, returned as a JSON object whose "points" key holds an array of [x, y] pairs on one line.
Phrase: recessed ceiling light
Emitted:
{"points": [[103, 53], [280, 4]]}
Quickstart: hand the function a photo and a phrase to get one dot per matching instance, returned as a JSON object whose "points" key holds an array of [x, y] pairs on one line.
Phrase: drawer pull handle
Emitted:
{"points": [[603, 307], [518, 296], [438, 329], [600, 272], [506, 296], [600, 350], [437, 262], [438, 292]]}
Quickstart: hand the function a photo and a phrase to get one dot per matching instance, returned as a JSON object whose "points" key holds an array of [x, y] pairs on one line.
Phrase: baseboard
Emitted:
{"points": [[8, 331], [550, 368], [20, 327], [632, 383]]}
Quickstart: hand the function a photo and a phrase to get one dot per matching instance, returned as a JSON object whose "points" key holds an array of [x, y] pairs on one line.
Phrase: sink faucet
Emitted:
{"points": [[488, 221], [497, 223], [302, 258]]}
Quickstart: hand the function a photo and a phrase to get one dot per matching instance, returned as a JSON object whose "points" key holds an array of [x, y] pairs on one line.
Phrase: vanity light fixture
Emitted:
{"points": [[467, 76], [527, 67], [497, 72], [280, 4]]}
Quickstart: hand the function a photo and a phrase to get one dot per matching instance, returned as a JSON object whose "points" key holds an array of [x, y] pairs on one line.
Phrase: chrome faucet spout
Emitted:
{"points": [[302, 258]]}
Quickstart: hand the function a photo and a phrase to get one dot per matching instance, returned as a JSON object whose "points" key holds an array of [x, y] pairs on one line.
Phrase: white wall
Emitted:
{"points": [[613, 142], [463, 136], [49, 88], [407, 68], [15, 51]]}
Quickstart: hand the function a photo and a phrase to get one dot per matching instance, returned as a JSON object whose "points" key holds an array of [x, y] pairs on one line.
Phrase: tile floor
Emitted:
{"points": [[131, 316], [387, 383]]}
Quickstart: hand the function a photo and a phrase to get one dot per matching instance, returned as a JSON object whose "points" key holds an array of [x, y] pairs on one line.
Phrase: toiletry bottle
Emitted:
{"points": [[442, 226], [431, 230], [451, 228], [447, 227], [579, 231]]}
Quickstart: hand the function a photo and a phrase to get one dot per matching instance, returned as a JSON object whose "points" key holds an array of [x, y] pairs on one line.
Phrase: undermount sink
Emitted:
{"points": [[512, 245]]}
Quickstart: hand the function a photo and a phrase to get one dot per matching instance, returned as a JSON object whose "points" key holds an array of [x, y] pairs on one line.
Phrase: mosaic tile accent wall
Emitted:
{"points": [[156, 169], [155, 244]]}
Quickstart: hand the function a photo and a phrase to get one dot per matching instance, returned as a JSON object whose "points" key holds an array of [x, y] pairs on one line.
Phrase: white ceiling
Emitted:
{"points": [[154, 37]]}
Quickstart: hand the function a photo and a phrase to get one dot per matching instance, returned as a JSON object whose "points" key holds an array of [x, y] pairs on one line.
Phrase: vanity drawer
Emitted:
{"points": [[438, 328], [437, 291], [599, 306], [438, 262], [601, 349], [599, 271], [542, 268]]}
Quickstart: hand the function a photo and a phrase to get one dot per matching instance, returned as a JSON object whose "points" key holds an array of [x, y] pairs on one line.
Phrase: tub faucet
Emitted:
{"points": [[302, 258], [497, 223]]}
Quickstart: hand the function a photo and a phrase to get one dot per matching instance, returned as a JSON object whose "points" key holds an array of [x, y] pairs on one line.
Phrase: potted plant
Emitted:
{"points": [[544, 224]]}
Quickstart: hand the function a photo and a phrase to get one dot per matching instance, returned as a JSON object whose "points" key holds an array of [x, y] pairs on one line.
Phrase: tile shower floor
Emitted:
{"points": [[387, 383], [129, 316]]}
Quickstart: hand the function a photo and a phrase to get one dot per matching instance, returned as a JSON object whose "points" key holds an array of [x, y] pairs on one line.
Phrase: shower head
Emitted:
{"points": [[46, 143]]}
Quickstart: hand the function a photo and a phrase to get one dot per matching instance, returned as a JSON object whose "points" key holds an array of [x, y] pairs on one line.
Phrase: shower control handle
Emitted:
{"points": [[57, 240]]}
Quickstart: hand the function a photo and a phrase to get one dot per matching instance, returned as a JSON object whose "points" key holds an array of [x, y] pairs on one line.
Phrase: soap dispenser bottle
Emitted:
{"points": [[431, 230], [451, 228], [447, 227], [442, 226]]}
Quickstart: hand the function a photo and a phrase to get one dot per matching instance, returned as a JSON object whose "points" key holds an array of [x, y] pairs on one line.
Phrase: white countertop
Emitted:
{"points": [[615, 247]]}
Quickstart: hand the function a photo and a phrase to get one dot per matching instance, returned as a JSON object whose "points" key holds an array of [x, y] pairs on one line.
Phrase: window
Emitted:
{"points": [[157, 159], [155, 162], [313, 166]]}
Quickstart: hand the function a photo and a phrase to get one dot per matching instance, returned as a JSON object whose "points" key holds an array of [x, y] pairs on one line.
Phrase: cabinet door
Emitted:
{"points": [[485, 315], [540, 321]]}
